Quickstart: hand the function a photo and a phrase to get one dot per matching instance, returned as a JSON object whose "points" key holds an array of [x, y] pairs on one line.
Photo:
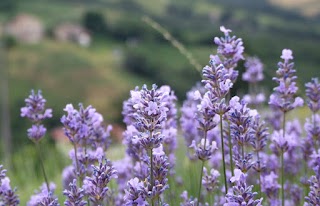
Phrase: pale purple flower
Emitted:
{"points": [[281, 141], [96, 186], [237, 175], [151, 108], [80, 125], [43, 197], [68, 175], [254, 70], [286, 54], [283, 96], [270, 186], [313, 94], [36, 132], [74, 195], [210, 181], [204, 150], [313, 198], [134, 194], [186, 201], [8, 196], [230, 50], [35, 108], [241, 193]]}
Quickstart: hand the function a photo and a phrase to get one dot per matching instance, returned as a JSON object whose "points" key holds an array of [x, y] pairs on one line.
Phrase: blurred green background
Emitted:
{"points": [[123, 51]]}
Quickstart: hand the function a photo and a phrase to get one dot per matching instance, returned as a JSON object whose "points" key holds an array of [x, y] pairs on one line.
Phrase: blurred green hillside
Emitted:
{"points": [[127, 52]]}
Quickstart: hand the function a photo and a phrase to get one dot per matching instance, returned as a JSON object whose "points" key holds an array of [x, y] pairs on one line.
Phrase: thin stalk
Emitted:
{"points": [[200, 183], [242, 150], [42, 166], [230, 150], [305, 175], [282, 179], [77, 166], [222, 152], [281, 160], [201, 173], [151, 173], [314, 126], [259, 180]]}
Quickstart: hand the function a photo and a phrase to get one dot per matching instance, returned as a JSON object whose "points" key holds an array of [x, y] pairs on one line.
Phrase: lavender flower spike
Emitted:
{"points": [[283, 96], [75, 195], [7, 195], [97, 185], [241, 193], [313, 94], [36, 112], [35, 108]]}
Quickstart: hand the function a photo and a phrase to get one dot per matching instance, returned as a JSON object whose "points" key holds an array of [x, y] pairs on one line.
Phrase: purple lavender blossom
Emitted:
{"points": [[240, 117], [217, 79], [35, 108], [124, 171], [186, 201], [150, 115], [313, 197], [74, 195], [210, 181], [36, 112], [313, 94], [230, 48], [261, 134], [254, 70], [188, 120], [283, 96], [43, 197], [241, 193], [96, 187], [80, 125], [8, 196], [134, 194], [312, 129], [280, 141], [86, 157], [253, 75], [160, 173], [204, 150], [36, 132], [68, 175], [270, 187]]}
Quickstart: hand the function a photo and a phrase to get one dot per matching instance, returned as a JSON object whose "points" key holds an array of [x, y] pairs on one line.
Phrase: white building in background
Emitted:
{"points": [[68, 32], [25, 28]]}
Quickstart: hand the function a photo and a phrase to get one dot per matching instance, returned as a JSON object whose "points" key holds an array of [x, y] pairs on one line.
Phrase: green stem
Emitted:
{"points": [[77, 166], [201, 173], [42, 166], [230, 150], [223, 160], [200, 183], [259, 180]]}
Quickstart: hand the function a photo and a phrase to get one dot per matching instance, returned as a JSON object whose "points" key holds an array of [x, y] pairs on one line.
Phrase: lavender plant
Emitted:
{"points": [[36, 112], [283, 99]]}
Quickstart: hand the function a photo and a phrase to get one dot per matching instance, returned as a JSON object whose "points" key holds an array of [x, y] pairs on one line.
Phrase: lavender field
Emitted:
{"points": [[109, 102], [216, 148]]}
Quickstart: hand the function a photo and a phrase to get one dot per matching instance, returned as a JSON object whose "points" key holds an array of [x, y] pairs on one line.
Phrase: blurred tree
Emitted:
{"points": [[94, 21], [6, 44], [8, 6]]}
